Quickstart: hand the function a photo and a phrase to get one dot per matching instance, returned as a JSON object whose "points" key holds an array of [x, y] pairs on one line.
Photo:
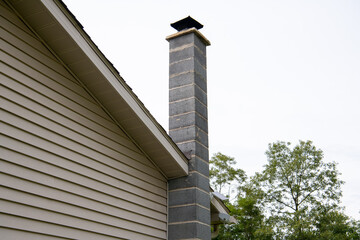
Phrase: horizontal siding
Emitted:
{"points": [[72, 140], [64, 115], [67, 170], [84, 196], [17, 26], [87, 119], [18, 199], [18, 59], [102, 182], [46, 67], [111, 214], [10, 41], [25, 105], [57, 227], [31, 51], [9, 233]]}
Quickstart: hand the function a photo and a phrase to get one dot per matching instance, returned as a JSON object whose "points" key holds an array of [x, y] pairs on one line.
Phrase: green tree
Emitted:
{"points": [[246, 208], [223, 175], [251, 222], [296, 196], [333, 224], [296, 182]]}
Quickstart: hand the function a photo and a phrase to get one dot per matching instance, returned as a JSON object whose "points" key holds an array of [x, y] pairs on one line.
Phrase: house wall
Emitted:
{"points": [[66, 170]]}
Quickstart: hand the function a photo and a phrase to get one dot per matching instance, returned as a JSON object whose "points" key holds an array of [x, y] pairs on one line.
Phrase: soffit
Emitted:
{"points": [[64, 35]]}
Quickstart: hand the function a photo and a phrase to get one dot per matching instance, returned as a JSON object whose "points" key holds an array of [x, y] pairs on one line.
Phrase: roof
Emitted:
{"points": [[219, 212], [66, 38]]}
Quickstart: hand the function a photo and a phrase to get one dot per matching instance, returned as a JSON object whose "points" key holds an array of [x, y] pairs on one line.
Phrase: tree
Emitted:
{"points": [[296, 196], [296, 182], [250, 219], [223, 174], [334, 224]]}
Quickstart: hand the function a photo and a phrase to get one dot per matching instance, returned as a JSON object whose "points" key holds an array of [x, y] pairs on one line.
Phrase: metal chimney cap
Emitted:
{"points": [[186, 23]]}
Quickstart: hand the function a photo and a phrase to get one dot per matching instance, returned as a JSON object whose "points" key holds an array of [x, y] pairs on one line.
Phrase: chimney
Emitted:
{"points": [[189, 199]]}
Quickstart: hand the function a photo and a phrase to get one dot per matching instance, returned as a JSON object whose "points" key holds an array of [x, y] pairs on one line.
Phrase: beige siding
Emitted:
{"points": [[66, 170]]}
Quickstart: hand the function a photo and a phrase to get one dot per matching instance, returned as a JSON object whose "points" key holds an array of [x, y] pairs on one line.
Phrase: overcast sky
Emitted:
{"points": [[277, 70]]}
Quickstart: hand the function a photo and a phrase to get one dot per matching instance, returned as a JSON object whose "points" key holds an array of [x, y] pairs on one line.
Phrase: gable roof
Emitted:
{"points": [[65, 37]]}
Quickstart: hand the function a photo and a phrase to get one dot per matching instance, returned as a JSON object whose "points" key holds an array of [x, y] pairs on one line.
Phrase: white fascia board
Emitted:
{"points": [[123, 91], [219, 207]]}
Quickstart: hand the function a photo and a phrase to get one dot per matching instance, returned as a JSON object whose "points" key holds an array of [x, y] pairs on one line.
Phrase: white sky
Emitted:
{"points": [[277, 70]]}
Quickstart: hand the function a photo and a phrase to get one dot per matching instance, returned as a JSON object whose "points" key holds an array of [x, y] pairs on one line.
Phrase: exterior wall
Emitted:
{"points": [[67, 170]]}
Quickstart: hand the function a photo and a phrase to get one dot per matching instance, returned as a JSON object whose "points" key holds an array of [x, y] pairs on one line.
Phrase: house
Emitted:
{"points": [[81, 157]]}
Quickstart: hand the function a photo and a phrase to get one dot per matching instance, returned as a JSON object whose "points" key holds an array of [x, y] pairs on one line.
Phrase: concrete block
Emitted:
{"points": [[189, 196], [188, 65], [188, 134], [189, 213], [180, 121], [187, 105], [188, 91], [200, 94], [183, 40], [200, 56], [181, 80], [201, 81], [200, 165], [185, 53], [188, 78], [187, 120], [200, 45], [196, 148], [193, 180], [189, 231], [181, 107], [188, 52], [181, 67], [187, 39], [200, 69], [181, 92]]}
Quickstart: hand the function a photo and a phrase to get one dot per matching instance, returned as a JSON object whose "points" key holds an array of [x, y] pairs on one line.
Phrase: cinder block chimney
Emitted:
{"points": [[189, 199]]}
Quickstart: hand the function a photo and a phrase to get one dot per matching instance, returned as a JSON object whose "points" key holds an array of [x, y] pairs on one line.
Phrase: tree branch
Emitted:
{"points": [[285, 204]]}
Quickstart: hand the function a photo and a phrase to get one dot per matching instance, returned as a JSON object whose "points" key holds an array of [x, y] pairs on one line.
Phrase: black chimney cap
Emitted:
{"points": [[186, 23]]}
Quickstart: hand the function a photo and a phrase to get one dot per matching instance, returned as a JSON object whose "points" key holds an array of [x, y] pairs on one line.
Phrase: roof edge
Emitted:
{"points": [[72, 26]]}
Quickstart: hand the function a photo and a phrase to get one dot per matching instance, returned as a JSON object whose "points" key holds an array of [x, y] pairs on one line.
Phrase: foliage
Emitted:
{"points": [[223, 174], [334, 224], [296, 196], [296, 182], [251, 223]]}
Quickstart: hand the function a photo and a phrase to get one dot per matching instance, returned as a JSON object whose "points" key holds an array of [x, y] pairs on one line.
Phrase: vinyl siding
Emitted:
{"points": [[66, 170]]}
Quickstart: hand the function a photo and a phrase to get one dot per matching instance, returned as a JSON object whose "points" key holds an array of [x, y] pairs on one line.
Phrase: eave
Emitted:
{"points": [[65, 37], [219, 212]]}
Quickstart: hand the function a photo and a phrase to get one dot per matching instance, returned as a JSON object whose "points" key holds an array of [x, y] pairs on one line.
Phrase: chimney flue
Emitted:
{"points": [[189, 199]]}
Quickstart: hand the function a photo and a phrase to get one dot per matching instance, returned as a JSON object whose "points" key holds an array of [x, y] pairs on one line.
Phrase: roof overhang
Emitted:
{"points": [[65, 37], [219, 212]]}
